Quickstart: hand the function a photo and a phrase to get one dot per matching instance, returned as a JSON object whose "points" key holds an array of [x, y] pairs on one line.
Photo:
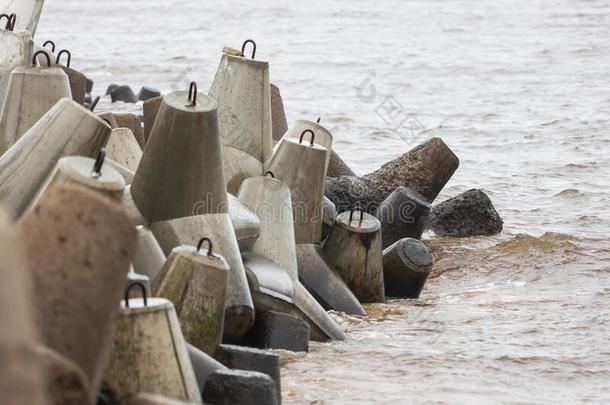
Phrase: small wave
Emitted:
{"points": [[570, 193]]}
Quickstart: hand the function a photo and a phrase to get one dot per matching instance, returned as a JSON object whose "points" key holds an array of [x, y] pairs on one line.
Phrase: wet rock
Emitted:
{"points": [[469, 214], [337, 167], [347, 192], [83, 243], [240, 387], [146, 93], [66, 383], [278, 116], [88, 85], [150, 109], [123, 93], [111, 88], [251, 359], [149, 399], [203, 365], [425, 169], [133, 122], [406, 267], [402, 215], [278, 330]]}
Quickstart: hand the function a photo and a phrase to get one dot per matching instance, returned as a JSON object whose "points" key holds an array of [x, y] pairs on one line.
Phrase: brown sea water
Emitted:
{"points": [[518, 89]]}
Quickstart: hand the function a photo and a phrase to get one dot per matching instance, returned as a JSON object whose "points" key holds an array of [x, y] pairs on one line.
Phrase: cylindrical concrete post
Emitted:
{"points": [[406, 267], [402, 215], [196, 281], [353, 249], [323, 136]]}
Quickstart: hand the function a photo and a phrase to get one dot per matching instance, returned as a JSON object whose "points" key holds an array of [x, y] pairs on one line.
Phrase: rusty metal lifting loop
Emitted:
{"points": [[94, 104], [10, 21], [99, 162], [351, 214], [142, 289], [243, 47], [200, 244], [318, 120], [67, 52], [49, 42], [35, 58], [269, 173], [313, 136], [193, 94]]}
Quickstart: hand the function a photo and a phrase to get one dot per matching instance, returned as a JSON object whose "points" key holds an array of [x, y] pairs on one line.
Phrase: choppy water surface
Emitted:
{"points": [[518, 89]]}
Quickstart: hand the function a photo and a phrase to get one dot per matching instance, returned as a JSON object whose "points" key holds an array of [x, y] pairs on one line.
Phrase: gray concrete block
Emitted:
{"points": [[239, 387]]}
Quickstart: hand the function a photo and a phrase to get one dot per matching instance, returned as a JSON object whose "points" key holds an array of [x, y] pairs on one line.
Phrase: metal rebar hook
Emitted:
{"points": [[49, 42], [94, 104], [67, 52], [99, 162], [10, 21], [243, 47], [192, 94], [269, 173], [201, 242], [318, 120], [142, 289], [351, 214], [313, 136], [41, 52]]}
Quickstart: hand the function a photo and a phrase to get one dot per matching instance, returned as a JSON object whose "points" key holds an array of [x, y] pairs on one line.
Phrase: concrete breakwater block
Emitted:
{"points": [[203, 365], [301, 164], [278, 330], [337, 167], [148, 257], [66, 383], [78, 81], [239, 166], [31, 92], [425, 169], [239, 387], [83, 243], [354, 250], [181, 171], [322, 136], [17, 50], [28, 12], [469, 214], [246, 223], [252, 359], [66, 129], [150, 110], [124, 94], [324, 283], [140, 279], [406, 267], [196, 281], [123, 148], [329, 216], [134, 123], [239, 309], [149, 399], [402, 215], [146, 93], [278, 115], [149, 353], [21, 377]]}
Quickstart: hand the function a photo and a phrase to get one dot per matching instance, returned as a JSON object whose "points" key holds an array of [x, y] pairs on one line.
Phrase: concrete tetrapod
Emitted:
{"points": [[406, 267], [270, 199], [203, 365], [278, 116], [149, 353], [239, 310], [16, 50], [196, 281], [323, 136], [302, 166], [274, 290], [181, 170], [27, 12], [246, 224], [324, 283], [150, 109], [239, 166], [329, 216], [134, 123], [30, 93], [67, 129], [78, 81], [353, 249], [86, 172], [241, 86], [148, 258], [83, 243], [402, 215], [21, 379], [123, 148]]}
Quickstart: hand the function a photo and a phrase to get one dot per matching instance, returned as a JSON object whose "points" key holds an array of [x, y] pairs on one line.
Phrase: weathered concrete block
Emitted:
{"points": [[133, 122], [347, 192], [337, 167], [252, 359], [149, 399], [278, 330], [150, 109], [146, 93], [406, 266], [111, 88], [469, 214], [123, 93], [278, 116], [402, 215], [239, 387], [203, 365]]}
